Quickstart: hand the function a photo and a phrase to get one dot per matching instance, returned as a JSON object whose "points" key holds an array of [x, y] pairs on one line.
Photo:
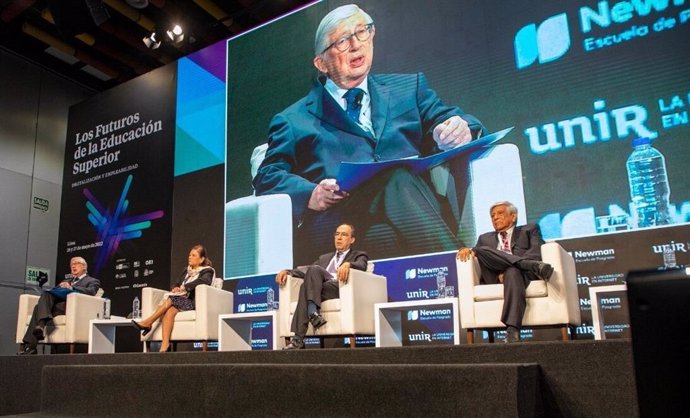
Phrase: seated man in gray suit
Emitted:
{"points": [[321, 282], [511, 255], [51, 304]]}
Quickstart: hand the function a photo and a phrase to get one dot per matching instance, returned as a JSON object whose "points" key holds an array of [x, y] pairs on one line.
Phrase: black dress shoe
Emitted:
{"points": [[512, 335], [28, 351], [317, 320], [144, 330], [40, 332], [295, 344], [544, 271]]}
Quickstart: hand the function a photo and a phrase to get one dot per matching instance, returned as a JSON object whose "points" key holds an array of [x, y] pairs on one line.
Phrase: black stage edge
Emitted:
{"points": [[552, 379]]}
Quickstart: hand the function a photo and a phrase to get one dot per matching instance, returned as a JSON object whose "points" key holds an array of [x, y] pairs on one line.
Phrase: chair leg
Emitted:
{"points": [[573, 334], [353, 341], [72, 348], [564, 333], [204, 346], [491, 335], [470, 336], [174, 346]]}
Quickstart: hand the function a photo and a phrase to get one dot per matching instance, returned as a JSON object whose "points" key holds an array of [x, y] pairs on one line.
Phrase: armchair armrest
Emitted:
{"points": [[469, 275], [261, 231], [210, 303], [562, 263], [357, 299], [79, 311], [562, 286], [287, 295], [26, 307], [150, 298]]}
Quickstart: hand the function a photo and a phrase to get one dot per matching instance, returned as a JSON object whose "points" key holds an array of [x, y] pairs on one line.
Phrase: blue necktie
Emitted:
{"points": [[354, 103]]}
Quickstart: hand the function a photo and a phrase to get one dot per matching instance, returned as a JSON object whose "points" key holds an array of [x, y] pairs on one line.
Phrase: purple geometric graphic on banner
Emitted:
{"points": [[113, 228], [212, 59]]}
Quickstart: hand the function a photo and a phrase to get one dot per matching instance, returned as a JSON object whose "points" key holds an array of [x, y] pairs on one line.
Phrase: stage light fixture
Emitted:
{"points": [[152, 41], [176, 34]]}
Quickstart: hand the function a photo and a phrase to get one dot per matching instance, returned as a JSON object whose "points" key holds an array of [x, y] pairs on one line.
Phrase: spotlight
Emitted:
{"points": [[175, 34], [151, 41]]}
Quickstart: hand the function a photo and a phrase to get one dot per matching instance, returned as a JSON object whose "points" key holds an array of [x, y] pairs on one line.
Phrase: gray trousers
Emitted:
{"points": [[317, 287], [517, 273], [47, 307]]}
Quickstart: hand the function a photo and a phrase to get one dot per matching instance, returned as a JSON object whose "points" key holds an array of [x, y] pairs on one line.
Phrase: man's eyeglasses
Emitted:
{"points": [[362, 34]]}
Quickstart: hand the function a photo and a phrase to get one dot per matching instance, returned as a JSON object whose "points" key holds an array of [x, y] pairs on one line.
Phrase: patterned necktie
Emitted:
{"points": [[505, 245], [354, 103]]}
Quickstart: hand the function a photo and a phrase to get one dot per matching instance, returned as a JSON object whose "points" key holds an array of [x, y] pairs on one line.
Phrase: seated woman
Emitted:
{"points": [[181, 298]]}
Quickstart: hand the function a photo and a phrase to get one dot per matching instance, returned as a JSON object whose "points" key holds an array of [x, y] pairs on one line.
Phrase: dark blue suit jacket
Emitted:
{"points": [[358, 260], [309, 139], [525, 242], [87, 285]]}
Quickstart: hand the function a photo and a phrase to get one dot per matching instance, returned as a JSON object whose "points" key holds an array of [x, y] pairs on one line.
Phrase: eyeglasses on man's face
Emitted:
{"points": [[362, 33]]}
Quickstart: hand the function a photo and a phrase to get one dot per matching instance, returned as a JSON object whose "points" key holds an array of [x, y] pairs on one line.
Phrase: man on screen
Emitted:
{"points": [[321, 282], [351, 115], [52, 303], [511, 255]]}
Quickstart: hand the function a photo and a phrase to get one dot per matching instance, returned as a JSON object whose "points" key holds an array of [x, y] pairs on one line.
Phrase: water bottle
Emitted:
{"points": [[136, 313], [669, 257], [269, 299], [441, 284], [649, 189], [106, 308]]}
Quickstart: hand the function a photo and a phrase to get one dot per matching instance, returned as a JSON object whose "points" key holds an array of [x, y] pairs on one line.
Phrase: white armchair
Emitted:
{"points": [[349, 315], [549, 304], [71, 328], [196, 325]]}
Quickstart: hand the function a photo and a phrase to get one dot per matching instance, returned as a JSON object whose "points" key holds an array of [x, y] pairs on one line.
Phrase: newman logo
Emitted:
{"points": [[413, 315], [241, 307], [410, 274], [545, 43]]}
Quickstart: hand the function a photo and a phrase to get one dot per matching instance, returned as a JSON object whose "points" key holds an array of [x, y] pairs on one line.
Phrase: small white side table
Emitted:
{"points": [[235, 330], [102, 333], [388, 319], [597, 322]]}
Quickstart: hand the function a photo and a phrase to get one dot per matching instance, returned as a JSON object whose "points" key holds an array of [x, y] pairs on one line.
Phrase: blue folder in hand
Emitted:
{"points": [[60, 292], [353, 174]]}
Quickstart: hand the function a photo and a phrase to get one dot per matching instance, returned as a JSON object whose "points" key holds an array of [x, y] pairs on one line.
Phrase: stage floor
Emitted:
{"points": [[575, 378]]}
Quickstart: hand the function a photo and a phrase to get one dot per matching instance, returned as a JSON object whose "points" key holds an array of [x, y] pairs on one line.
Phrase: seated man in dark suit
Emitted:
{"points": [[511, 255], [354, 116], [49, 305], [321, 282]]}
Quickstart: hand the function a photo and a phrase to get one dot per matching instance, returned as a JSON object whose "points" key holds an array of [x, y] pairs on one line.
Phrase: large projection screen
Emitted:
{"points": [[579, 81]]}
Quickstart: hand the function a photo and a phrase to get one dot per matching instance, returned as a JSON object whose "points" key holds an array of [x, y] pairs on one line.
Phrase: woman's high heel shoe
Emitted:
{"points": [[144, 330]]}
